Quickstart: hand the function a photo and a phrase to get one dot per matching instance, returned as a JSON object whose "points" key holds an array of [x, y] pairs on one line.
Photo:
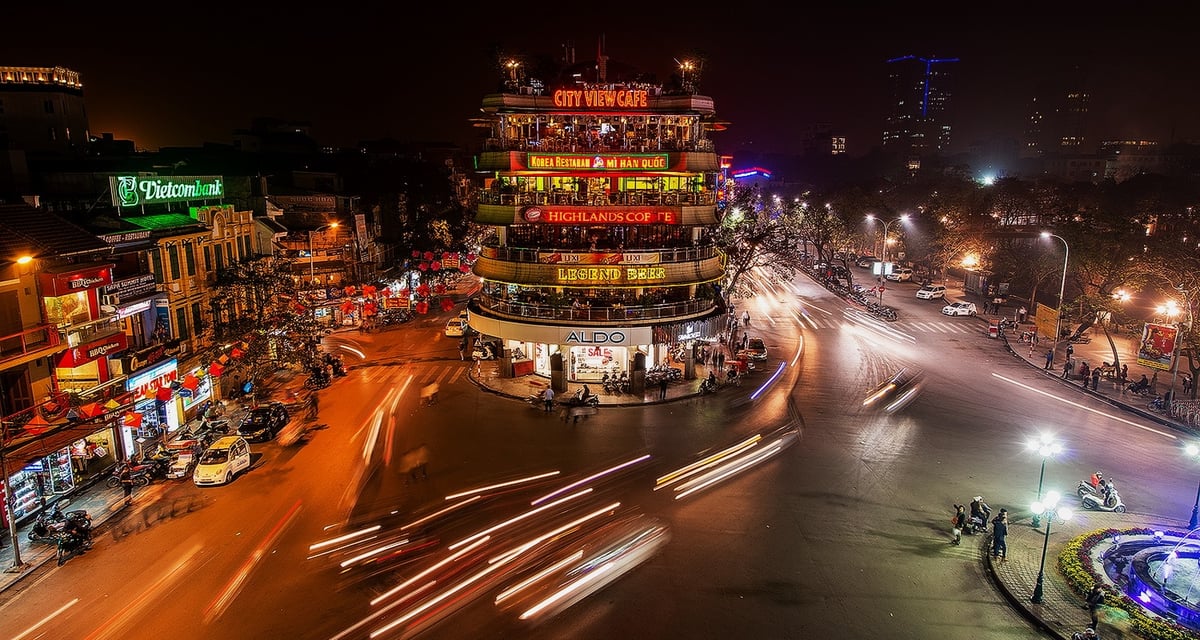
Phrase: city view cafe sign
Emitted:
{"points": [[135, 191]]}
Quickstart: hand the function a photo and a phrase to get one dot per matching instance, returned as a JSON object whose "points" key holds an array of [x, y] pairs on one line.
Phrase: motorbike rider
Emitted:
{"points": [[1096, 480], [981, 510], [1140, 385], [712, 379], [73, 527]]}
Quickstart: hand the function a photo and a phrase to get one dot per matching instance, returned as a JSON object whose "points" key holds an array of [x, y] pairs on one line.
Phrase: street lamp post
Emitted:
{"points": [[1171, 310], [1049, 507], [312, 266], [883, 254], [1194, 451], [1046, 447], [1062, 285]]}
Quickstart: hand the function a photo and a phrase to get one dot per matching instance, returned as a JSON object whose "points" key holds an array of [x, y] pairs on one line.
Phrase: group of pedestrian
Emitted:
{"points": [[979, 511]]}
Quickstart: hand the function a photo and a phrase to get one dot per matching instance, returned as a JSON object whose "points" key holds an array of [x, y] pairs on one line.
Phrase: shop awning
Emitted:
{"points": [[44, 446]]}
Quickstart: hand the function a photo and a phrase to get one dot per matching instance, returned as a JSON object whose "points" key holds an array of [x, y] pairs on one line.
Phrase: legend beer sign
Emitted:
{"points": [[134, 191]]}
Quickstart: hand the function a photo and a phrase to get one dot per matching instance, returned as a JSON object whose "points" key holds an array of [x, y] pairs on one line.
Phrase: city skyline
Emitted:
{"points": [[363, 76]]}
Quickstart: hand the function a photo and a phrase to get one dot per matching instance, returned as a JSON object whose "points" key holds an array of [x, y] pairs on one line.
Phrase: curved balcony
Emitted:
{"points": [[656, 255], [607, 315], [619, 198]]}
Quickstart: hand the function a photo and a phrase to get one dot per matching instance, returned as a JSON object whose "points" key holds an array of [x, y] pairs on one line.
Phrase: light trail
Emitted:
{"points": [[238, 581], [112, 627], [448, 560], [418, 522], [54, 614], [501, 485], [516, 519], [588, 479], [1080, 406]]}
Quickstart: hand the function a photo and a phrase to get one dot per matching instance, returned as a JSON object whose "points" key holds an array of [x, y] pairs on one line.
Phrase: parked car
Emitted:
{"points": [[931, 292], [222, 461], [865, 261], [264, 423], [903, 274], [455, 327], [959, 309], [755, 349]]}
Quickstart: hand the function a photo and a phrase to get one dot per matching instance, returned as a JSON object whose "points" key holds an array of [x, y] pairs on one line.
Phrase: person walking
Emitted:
{"points": [[314, 407], [1085, 374], [1066, 369], [462, 349], [1096, 379], [548, 399], [1049, 359], [960, 522], [1021, 314], [662, 389], [1000, 535], [720, 360], [1070, 350], [1095, 599], [125, 475], [745, 318]]}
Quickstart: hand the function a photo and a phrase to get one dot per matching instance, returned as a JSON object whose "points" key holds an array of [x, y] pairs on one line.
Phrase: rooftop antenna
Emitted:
{"points": [[601, 61]]}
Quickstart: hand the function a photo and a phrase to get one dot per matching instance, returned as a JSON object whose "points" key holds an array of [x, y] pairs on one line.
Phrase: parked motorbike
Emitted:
{"points": [[50, 525], [1112, 502], [140, 474], [315, 382], [577, 399], [709, 385], [70, 544]]}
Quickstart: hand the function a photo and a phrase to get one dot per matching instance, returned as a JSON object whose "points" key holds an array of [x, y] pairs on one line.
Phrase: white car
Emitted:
{"points": [[223, 460], [959, 309], [455, 327], [931, 292], [903, 274]]}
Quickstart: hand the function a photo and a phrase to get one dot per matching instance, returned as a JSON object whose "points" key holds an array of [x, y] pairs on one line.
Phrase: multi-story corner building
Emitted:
{"points": [[601, 192], [42, 110], [917, 123]]}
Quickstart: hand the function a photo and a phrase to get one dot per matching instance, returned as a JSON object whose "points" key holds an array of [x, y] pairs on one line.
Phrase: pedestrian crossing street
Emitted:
{"points": [[959, 326], [443, 372]]}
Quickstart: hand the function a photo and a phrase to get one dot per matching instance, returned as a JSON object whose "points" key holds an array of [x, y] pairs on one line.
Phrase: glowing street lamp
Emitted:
{"points": [[1062, 285], [312, 267], [1048, 507], [1046, 447]]}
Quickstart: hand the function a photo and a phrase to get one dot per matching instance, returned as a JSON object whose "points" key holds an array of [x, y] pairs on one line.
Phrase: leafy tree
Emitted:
{"points": [[757, 232]]}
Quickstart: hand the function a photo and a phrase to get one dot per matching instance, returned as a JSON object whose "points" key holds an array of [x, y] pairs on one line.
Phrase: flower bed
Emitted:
{"points": [[1077, 566]]}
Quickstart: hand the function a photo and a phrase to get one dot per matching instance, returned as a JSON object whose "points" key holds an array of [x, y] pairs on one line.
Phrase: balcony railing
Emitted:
{"points": [[80, 333], [664, 255], [615, 314], [41, 337]]}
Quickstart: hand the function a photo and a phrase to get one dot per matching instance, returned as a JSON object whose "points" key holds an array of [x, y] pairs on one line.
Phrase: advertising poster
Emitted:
{"points": [[1157, 346]]}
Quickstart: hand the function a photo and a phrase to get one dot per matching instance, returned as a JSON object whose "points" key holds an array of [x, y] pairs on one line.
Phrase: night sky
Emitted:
{"points": [[162, 78]]}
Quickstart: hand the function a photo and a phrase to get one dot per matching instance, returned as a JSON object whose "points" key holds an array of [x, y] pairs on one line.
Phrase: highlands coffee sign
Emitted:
{"points": [[566, 214], [133, 191]]}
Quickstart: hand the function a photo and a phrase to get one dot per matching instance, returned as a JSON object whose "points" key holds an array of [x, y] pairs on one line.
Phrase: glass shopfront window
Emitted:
{"points": [[41, 482], [589, 364]]}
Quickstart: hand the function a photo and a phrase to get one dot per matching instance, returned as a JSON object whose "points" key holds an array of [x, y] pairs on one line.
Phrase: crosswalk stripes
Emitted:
{"points": [[426, 372], [964, 326]]}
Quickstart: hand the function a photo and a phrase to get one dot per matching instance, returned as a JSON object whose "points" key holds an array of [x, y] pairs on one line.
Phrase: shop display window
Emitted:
{"points": [[589, 364]]}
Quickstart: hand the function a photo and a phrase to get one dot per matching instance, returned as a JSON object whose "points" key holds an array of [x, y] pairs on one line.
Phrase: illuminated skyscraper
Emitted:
{"points": [[918, 124]]}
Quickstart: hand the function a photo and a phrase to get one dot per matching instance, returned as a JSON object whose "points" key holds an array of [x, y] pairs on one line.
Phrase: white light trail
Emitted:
{"points": [[501, 485], [523, 516], [590, 478], [1080, 406]]}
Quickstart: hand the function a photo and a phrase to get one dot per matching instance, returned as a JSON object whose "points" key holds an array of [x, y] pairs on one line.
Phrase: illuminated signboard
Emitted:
{"points": [[601, 162], [610, 275], [558, 257], [553, 214], [133, 191], [601, 98]]}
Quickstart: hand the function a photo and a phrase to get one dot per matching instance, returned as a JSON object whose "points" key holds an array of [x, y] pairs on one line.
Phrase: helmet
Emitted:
{"points": [[978, 498]]}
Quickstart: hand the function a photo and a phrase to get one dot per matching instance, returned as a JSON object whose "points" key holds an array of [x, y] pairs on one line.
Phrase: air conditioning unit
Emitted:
{"points": [[109, 300]]}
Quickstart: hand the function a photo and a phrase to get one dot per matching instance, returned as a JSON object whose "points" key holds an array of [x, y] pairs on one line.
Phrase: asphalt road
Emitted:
{"points": [[843, 534]]}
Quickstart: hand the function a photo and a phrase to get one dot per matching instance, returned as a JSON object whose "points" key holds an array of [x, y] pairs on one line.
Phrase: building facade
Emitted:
{"points": [[601, 193], [917, 124]]}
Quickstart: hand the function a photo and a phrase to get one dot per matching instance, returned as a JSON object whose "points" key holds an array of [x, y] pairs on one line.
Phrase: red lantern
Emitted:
{"points": [[423, 290], [416, 254], [403, 293], [464, 268], [422, 307], [447, 304], [369, 290], [387, 292], [470, 257], [437, 265], [439, 288], [424, 266], [369, 308], [446, 255], [350, 290], [347, 307], [428, 256]]}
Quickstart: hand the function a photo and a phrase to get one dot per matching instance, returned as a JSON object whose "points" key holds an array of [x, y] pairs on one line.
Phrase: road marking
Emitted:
{"points": [[1080, 406], [48, 618]]}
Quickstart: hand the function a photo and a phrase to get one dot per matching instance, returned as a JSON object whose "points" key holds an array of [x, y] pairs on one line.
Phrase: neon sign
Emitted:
{"points": [[607, 215], [605, 162], [602, 98], [132, 191], [611, 275]]}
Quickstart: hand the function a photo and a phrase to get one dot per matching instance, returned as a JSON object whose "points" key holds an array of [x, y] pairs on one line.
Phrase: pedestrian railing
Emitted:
{"points": [[1186, 411]]}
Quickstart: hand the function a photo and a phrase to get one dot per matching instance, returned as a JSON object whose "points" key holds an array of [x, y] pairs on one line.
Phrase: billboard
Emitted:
{"points": [[135, 191], [1157, 346]]}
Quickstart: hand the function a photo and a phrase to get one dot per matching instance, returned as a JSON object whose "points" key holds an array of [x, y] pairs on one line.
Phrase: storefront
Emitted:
{"points": [[70, 298], [58, 464], [153, 403], [86, 366]]}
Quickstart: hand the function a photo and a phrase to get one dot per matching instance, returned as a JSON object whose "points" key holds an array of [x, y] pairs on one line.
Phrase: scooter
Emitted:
{"points": [[1099, 503], [1085, 488], [577, 399], [709, 385]]}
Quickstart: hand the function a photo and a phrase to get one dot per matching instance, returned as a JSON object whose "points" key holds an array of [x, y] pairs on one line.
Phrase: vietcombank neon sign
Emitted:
{"points": [[133, 191]]}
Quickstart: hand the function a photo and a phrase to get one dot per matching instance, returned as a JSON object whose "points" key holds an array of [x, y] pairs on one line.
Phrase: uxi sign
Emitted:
{"points": [[133, 191]]}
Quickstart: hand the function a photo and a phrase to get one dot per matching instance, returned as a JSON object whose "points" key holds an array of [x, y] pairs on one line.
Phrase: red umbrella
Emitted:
{"points": [[439, 288], [91, 410], [428, 256], [422, 307], [437, 265], [131, 419], [37, 425], [447, 304]]}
